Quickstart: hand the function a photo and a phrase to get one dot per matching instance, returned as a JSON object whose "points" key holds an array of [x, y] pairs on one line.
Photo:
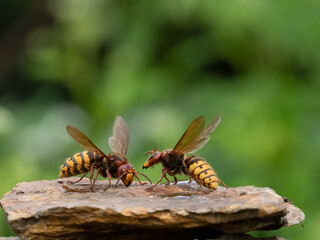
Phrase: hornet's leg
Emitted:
{"points": [[91, 172], [203, 189], [174, 177], [190, 180], [223, 183], [136, 175], [109, 177], [197, 181], [94, 180], [79, 179], [168, 181], [192, 176], [162, 176], [175, 180]]}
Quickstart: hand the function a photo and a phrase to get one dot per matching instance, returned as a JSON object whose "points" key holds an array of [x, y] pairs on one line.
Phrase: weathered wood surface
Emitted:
{"points": [[57, 210]]}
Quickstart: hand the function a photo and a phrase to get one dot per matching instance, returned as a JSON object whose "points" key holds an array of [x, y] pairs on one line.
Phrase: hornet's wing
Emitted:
{"points": [[83, 140], [202, 139], [192, 132], [119, 142]]}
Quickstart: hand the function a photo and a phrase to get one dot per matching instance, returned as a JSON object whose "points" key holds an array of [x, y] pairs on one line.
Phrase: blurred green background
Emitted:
{"points": [[160, 64]]}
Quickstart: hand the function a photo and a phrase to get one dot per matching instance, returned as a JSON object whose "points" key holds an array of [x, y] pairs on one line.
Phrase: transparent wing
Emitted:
{"points": [[203, 138], [193, 131], [119, 142], [83, 140]]}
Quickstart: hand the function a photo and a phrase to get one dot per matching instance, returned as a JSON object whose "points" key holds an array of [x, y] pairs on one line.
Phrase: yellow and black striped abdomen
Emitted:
{"points": [[200, 169], [78, 163]]}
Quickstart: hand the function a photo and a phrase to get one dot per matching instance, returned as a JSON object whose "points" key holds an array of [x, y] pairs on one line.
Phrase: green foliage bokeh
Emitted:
{"points": [[160, 64]]}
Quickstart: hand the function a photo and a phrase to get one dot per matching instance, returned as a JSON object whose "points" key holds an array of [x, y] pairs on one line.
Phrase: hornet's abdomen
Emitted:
{"points": [[78, 163], [202, 171]]}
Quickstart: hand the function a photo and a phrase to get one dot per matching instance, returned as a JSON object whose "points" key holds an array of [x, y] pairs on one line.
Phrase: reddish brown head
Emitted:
{"points": [[126, 172], [153, 159]]}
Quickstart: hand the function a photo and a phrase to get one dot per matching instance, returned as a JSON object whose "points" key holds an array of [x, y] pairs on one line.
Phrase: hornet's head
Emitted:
{"points": [[127, 173], [153, 159]]}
